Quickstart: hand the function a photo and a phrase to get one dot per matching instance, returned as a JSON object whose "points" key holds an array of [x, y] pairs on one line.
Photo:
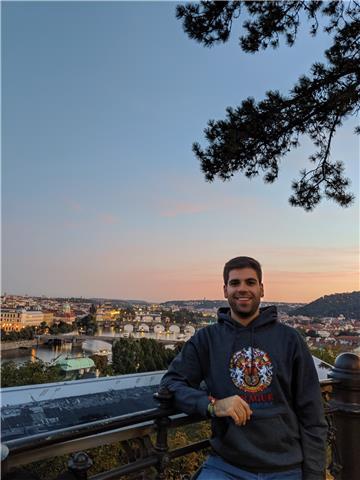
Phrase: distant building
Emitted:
{"points": [[49, 317], [76, 367], [66, 308], [14, 320], [64, 317]]}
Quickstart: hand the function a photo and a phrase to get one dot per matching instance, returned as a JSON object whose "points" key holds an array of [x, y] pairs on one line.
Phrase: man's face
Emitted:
{"points": [[243, 292]]}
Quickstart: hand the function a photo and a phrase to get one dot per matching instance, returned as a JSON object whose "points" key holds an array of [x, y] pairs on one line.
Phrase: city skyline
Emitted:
{"points": [[102, 195]]}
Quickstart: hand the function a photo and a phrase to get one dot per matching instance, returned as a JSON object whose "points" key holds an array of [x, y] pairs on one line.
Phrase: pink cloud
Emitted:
{"points": [[307, 286], [173, 209], [183, 208], [70, 224], [73, 206], [108, 219], [103, 218]]}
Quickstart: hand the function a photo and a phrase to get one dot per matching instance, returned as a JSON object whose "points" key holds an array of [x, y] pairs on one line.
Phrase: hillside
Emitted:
{"points": [[215, 304], [347, 304]]}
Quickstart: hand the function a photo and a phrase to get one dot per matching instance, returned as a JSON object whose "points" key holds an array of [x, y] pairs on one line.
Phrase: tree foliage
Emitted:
{"points": [[29, 373], [29, 332], [61, 327], [108, 457], [26, 333], [88, 322], [101, 364], [182, 316], [328, 355], [346, 304], [130, 355], [256, 136]]}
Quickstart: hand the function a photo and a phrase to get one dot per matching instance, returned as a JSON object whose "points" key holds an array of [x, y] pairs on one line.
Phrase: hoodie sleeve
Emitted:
{"points": [[310, 412], [183, 378]]}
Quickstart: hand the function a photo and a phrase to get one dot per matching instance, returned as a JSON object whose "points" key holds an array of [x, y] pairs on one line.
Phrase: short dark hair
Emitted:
{"points": [[242, 262]]}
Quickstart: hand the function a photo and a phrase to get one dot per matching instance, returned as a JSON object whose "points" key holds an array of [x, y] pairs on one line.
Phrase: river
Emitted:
{"points": [[50, 354]]}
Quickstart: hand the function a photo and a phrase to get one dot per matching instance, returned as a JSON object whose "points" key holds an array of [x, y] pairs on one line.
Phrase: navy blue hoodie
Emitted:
{"points": [[269, 365]]}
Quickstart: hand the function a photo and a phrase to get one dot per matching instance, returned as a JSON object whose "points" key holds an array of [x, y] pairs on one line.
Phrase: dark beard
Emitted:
{"points": [[245, 314]]}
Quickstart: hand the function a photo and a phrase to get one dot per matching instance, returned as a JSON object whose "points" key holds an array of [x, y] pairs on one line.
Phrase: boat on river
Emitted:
{"points": [[97, 347]]}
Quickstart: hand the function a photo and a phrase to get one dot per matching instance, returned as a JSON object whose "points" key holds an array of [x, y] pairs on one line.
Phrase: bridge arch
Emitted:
{"points": [[143, 327], [189, 329], [159, 328], [174, 329]]}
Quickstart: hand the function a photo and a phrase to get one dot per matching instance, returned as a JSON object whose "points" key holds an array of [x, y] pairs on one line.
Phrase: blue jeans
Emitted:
{"points": [[215, 468]]}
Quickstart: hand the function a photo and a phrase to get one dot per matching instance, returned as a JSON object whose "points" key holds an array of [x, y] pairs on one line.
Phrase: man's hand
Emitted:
{"points": [[234, 407]]}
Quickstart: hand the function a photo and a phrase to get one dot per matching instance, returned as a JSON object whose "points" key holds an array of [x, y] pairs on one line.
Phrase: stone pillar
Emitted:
{"points": [[345, 401]]}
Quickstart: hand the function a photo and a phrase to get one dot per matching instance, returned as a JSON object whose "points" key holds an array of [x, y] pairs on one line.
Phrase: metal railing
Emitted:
{"points": [[139, 427], [149, 429]]}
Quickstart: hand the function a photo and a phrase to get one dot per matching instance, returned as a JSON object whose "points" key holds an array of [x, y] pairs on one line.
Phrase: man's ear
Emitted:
{"points": [[261, 290], [225, 292]]}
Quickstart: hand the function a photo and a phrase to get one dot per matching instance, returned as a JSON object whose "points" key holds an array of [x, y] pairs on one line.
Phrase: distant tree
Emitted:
{"points": [[28, 373], [348, 333], [93, 309], [42, 328], [312, 333], [182, 316], [125, 356], [256, 136], [130, 355], [327, 354], [26, 333], [167, 315], [101, 364], [61, 327], [347, 304], [87, 323], [128, 312]]}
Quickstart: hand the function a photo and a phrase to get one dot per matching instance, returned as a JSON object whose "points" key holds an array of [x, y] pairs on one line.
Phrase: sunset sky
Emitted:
{"points": [[101, 193]]}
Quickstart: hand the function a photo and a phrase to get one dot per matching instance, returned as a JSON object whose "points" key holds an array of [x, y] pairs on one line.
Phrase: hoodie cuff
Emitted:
{"points": [[202, 405]]}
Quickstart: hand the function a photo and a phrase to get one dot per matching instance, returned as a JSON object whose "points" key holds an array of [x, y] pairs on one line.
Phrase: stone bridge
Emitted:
{"points": [[149, 326], [79, 339]]}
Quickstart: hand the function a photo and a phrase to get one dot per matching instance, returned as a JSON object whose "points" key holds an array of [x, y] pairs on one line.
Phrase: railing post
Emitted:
{"points": [[345, 403], [164, 397], [78, 466], [4, 456]]}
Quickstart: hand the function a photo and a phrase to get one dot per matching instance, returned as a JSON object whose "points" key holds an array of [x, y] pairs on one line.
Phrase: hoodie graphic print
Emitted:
{"points": [[269, 366], [251, 371]]}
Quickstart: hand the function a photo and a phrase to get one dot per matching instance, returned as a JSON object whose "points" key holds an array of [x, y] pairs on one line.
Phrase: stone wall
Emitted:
{"points": [[15, 345]]}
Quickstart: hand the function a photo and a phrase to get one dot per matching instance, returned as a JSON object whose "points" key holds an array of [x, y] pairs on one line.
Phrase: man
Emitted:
{"points": [[263, 392]]}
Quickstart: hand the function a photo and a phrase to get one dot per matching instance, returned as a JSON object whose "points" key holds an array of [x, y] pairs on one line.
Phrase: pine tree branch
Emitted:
{"points": [[257, 136]]}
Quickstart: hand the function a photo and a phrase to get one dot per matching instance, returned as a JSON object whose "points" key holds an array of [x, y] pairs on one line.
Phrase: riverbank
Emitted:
{"points": [[5, 346], [30, 351]]}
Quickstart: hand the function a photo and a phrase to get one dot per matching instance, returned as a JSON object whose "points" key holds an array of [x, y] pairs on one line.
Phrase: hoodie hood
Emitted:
{"points": [[266, 316]]}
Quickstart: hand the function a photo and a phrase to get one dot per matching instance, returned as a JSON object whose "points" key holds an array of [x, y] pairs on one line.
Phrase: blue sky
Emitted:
{"points": [[101, 193]]}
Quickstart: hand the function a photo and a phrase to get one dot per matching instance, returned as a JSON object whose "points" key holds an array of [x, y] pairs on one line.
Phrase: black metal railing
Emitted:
{"points": [[139, 427], [144, 436]]}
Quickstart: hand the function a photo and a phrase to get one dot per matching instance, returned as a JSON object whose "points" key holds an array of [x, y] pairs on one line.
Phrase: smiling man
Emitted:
{"points": [[243, 290], [263, 393]]}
